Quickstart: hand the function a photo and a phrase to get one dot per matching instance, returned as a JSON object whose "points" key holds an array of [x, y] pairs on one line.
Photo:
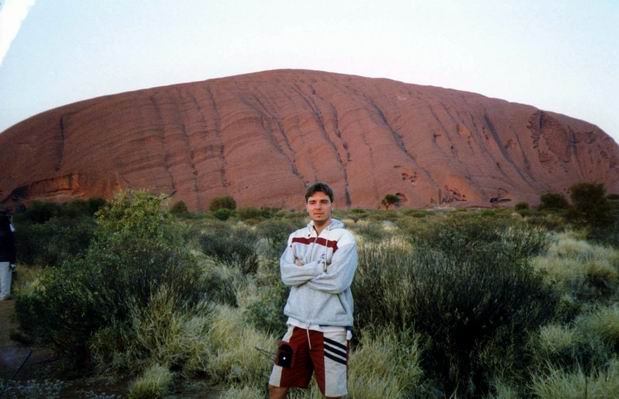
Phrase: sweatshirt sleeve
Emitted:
{"points": [[293, 275], [340, 273]]}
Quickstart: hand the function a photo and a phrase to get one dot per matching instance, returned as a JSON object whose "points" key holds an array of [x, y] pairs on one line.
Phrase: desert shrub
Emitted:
{"points": [[233, 356], [521, 206], [585, 271], [80, 207], [256, 213], [567, 347], [479, 238], [226, 202], [135, 252], [179, 208], [558, 383], [223, 214], [553, 201], [276, 232], [39, 212], [167, 332], [230, 245], [602, 323], [552, 221], [221, 281], [53, 241], [154, 383], [465, 300], [371, 231], [591, 205], [386, 364], [391, 200], [523, 209], [264, 310]]}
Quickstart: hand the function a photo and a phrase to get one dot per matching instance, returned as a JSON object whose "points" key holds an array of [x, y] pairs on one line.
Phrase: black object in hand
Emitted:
{"points": [[283, 357]]}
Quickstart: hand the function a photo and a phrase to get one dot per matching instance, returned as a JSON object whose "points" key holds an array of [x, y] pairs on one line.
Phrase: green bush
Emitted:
{"points": [[464, 291], [265, 310], [257, 213], [521, 206], [591, 205], [54, 241], [179, 208], [390, 200], [135, 252], [231, 245], [480, 238], [223, 214], [226, 202], [553, 201], [167, 332], [40, 212]]}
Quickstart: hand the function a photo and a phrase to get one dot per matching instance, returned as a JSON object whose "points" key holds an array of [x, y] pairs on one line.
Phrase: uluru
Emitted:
{"points": [[262, 137]]}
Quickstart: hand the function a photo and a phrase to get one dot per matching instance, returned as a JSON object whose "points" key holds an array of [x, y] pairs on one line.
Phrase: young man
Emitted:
{"points": [[318, 265]]}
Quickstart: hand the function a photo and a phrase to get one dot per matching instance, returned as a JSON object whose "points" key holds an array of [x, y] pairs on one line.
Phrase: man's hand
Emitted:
{"points": [[298, 262]]}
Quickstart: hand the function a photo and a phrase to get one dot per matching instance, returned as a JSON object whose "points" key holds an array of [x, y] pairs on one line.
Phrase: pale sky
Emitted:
{"points": [[560, 56]]}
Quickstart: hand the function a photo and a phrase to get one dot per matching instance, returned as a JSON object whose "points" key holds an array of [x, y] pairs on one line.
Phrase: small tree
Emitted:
{"points": [[180, 208], [591, 204], [521, 206], [226, 202], [390, 200], [553, 201]]}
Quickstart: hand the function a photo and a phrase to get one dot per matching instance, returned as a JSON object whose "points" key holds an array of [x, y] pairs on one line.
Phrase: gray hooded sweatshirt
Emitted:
{"points": [[320, 289]]}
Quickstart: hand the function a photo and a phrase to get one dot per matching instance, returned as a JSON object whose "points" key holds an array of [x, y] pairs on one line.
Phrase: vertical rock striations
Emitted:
{"points": [[262, 137]]}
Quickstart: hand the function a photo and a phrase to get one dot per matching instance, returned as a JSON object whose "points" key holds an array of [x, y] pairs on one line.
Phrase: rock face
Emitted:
{"points": [[263, 137]]}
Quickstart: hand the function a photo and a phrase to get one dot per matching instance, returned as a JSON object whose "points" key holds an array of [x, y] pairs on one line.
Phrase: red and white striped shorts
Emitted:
{"points": [[322, 353]]}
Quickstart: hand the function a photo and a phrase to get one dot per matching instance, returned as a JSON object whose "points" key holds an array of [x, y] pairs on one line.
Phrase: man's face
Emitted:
{"points": [[319, 207]]}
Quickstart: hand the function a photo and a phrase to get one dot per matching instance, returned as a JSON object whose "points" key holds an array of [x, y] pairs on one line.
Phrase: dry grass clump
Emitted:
{"points": [[154, 383], [602, 323], [386, 366], [556, 339], [566, 245], [503, 391], [243, 393], [165, 332], [561, 384], [233, 356], [580, 269]]}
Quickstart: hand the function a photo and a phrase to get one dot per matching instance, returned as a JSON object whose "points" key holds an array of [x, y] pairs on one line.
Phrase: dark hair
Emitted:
{"points": [[318, 187]]}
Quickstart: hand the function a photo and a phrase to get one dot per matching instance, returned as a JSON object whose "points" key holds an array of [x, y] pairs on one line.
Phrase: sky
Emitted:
{"points": [[560, 56]]}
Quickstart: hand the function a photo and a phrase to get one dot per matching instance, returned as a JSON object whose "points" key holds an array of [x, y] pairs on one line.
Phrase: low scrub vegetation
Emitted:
{"points": [[467, 303]]}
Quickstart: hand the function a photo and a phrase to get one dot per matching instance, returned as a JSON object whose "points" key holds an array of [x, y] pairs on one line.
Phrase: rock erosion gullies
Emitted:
{"points": [[262, 137]]}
